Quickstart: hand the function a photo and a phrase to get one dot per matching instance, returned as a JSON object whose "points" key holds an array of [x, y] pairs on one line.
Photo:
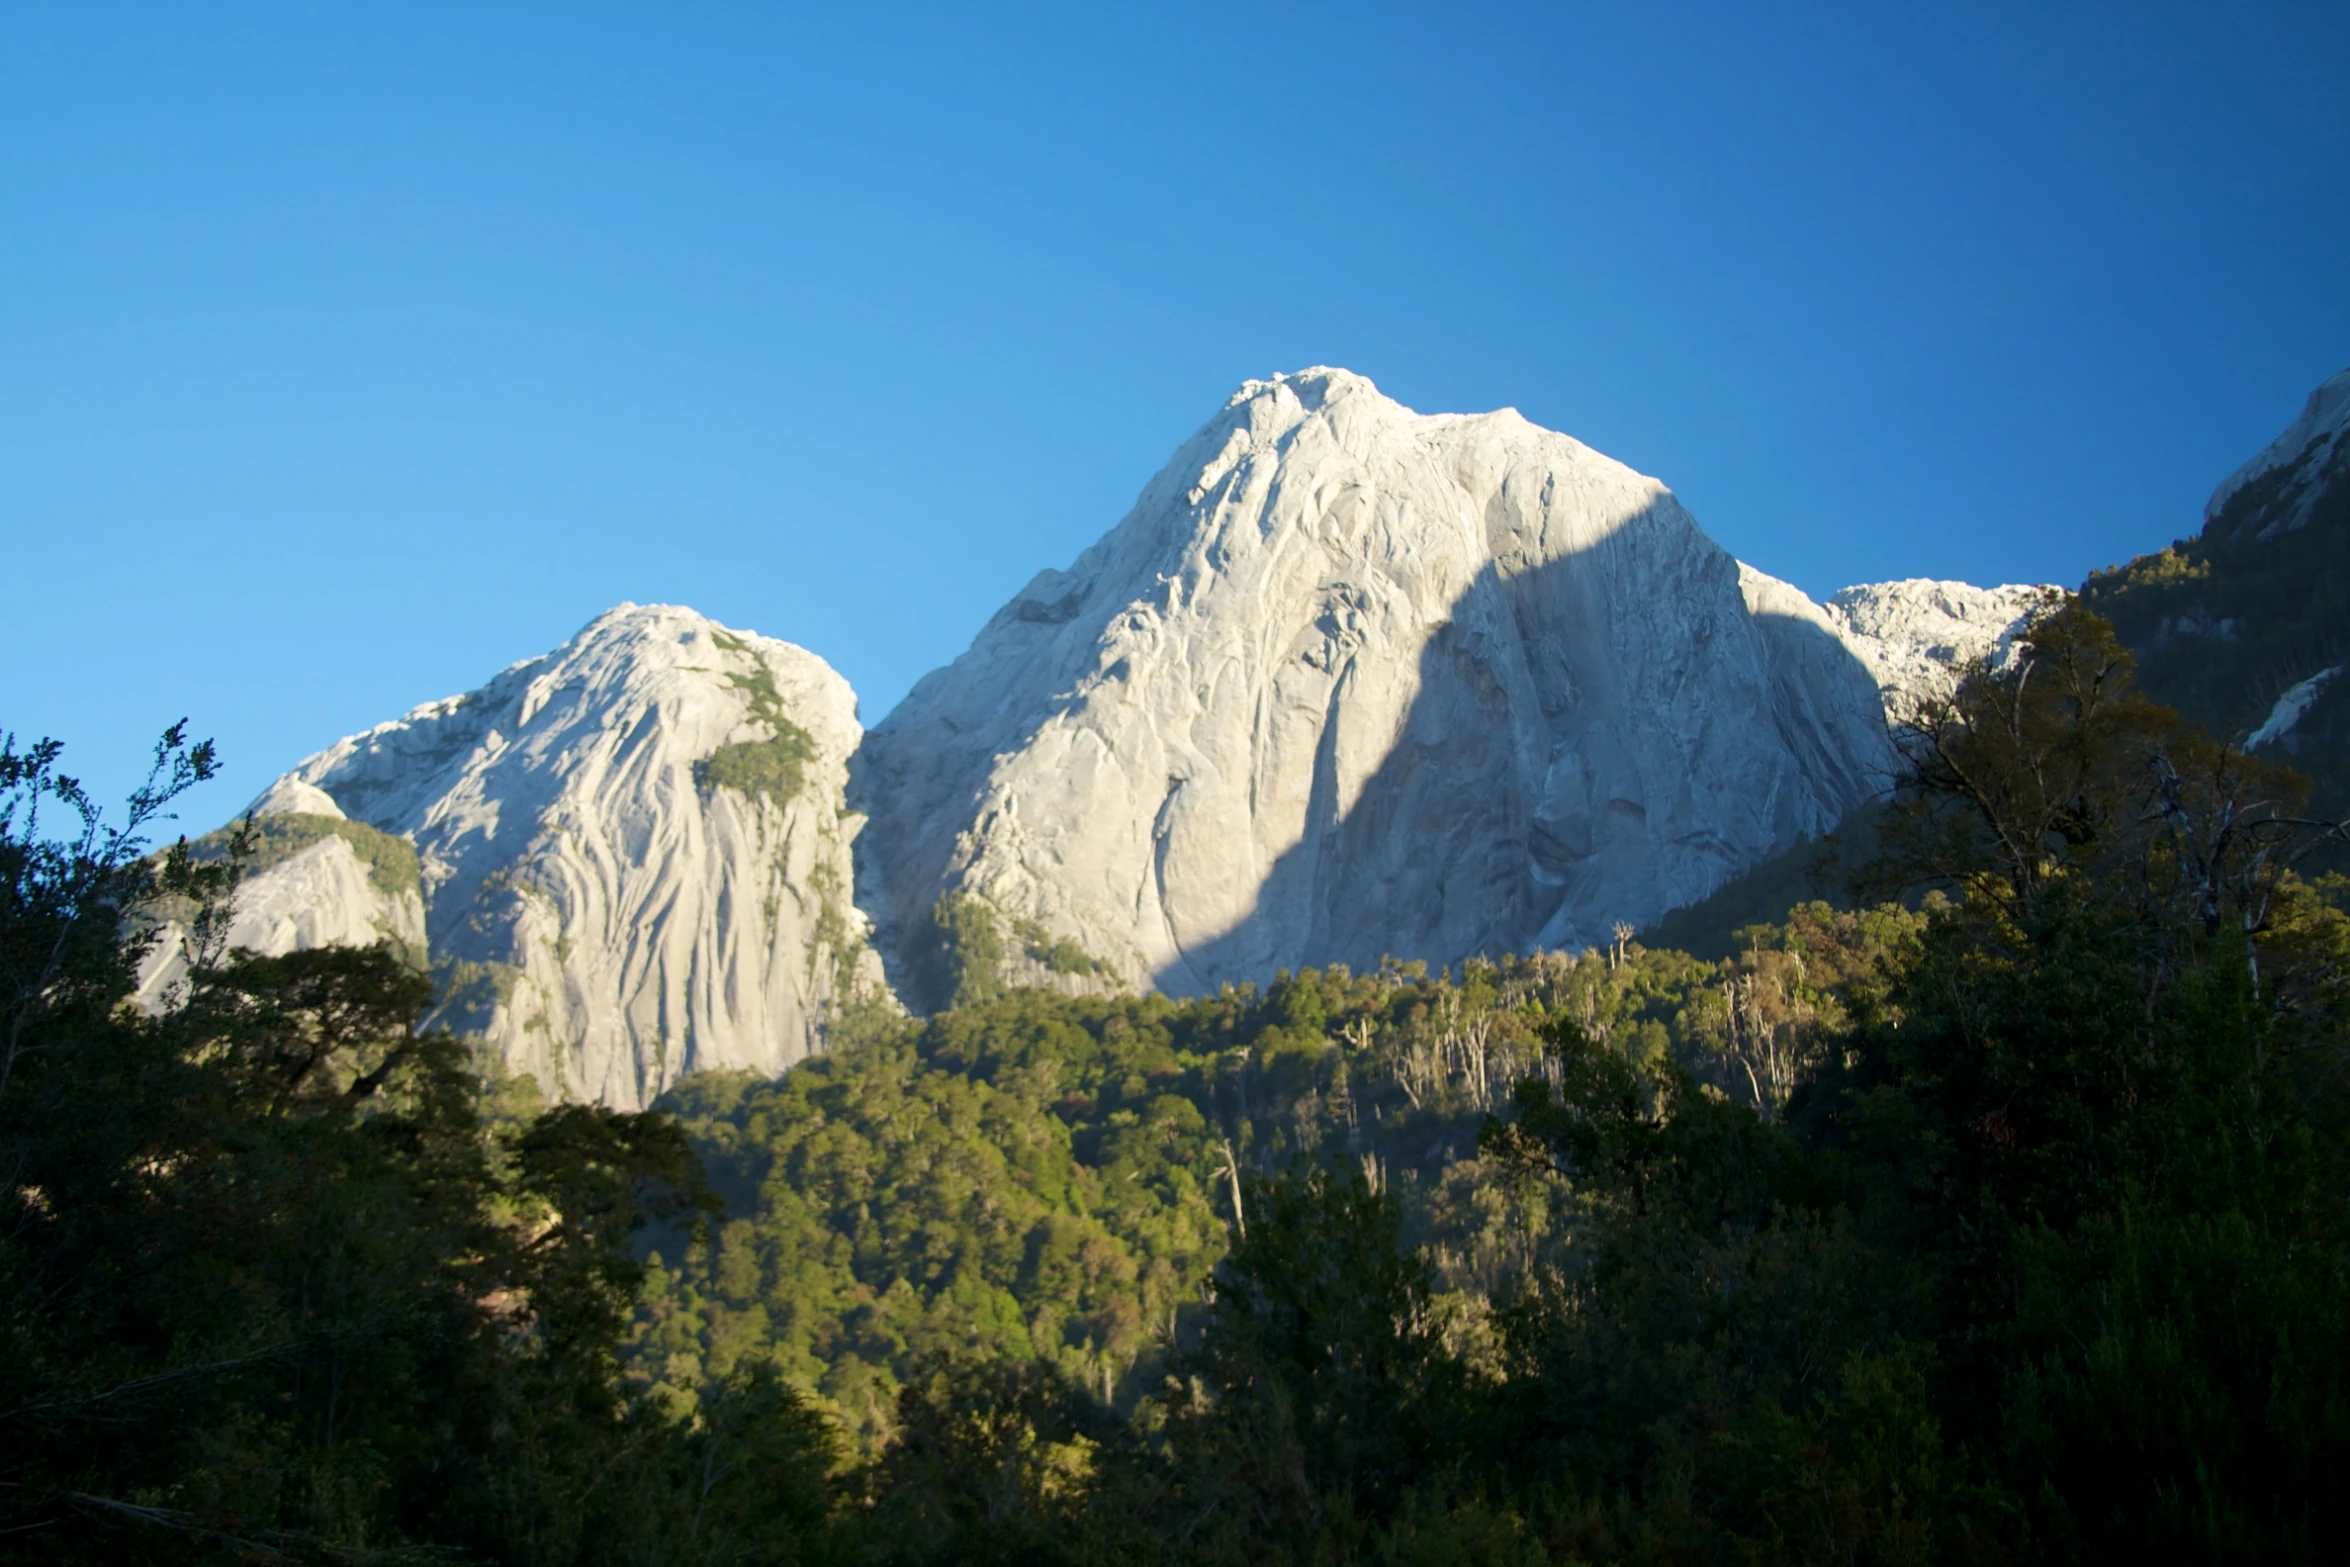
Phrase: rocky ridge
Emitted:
{"points": [[2299, 463], [2240, 626], [1916, 636], [316, 879]]}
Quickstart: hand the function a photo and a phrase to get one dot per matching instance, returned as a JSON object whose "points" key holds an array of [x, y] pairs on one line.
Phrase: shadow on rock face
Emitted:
{"points": [[1574, 756], [1349, 681]]}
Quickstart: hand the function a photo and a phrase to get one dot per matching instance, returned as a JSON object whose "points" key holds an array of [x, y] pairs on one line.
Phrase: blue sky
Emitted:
{"points": [[348, 354]]}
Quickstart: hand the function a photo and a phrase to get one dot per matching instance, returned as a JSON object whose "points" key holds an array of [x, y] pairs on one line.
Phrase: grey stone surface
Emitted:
{"points": [[323, 896], [602, 918], [1350, 681], [1917, 637]]}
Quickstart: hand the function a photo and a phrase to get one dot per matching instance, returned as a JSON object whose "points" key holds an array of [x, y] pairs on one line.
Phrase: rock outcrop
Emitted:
{"points": [[315, 879], [2291, 707], [632, 853], [2240, 626], [1351, 681], [1916, 637]]}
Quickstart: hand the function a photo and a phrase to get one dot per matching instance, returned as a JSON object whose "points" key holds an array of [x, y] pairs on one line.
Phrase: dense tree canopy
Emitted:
{"points": [[2002, 1220], [282, 1278]]}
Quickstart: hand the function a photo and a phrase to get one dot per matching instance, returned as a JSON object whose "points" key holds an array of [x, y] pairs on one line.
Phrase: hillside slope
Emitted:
{"points": [[2240, 627], [2244, 626]]}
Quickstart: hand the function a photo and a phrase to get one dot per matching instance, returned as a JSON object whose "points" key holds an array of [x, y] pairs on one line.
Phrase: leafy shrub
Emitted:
{"points": [[773, 768]]}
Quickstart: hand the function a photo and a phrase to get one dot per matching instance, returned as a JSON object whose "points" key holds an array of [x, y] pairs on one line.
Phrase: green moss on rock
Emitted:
{"points": [[471, 993]]}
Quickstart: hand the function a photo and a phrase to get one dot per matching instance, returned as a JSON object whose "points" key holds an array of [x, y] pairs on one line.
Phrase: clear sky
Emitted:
{"points": [[348, 354]]}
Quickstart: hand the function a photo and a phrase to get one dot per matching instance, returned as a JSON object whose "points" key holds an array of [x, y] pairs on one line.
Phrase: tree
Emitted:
{"points": [[270, 1289], [1322, 1388]]}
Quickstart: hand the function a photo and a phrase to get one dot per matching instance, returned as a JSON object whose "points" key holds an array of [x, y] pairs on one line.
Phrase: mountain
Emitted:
{"points": [[1349, 681], [2242, 626], [1916, 637], [631, 855]]}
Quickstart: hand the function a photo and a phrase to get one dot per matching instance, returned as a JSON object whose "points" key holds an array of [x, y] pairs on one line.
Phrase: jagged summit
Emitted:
{"points": [[1915, 635], [290, 796], [1317, 386], [2240, 627], [1351, 680]]}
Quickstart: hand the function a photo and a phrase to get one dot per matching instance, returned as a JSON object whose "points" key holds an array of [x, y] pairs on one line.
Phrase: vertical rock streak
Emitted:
{"points": [[594, 909]]}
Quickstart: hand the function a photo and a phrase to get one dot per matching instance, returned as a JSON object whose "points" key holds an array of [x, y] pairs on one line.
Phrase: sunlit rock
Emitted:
{"points": [[1351, 680], [633, 853]]}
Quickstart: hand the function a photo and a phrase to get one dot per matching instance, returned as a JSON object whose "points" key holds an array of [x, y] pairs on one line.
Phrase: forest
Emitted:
{"points": [[1993, 1213]]}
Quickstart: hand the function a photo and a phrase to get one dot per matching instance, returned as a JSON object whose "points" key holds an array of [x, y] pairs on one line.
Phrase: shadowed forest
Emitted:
{"points": [[1995, 1213]]}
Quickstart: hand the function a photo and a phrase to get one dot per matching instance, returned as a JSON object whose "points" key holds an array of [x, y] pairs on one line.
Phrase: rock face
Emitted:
{"points": [[633, 855], [1917, 636], [316, 879], [1352, 681], [2240, 626]]}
